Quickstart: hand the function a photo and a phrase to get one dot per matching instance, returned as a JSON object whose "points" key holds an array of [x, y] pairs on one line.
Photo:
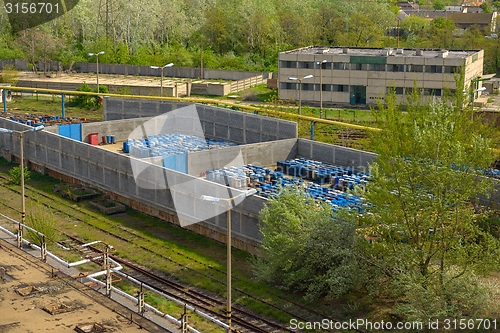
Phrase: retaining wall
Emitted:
{"points": [[264, 154], [335, 155], [217, 123]]}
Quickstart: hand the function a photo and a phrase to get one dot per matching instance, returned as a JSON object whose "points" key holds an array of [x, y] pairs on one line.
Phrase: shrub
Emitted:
{"points": [[15, 175]]}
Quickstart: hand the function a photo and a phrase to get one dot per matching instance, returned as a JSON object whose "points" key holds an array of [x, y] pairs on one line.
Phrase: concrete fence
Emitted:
{"points": [[183, 72], [217, 123]]}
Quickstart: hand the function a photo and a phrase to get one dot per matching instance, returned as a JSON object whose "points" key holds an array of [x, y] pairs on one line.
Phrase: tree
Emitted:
{"points": [[425, 183], [305, 249]]}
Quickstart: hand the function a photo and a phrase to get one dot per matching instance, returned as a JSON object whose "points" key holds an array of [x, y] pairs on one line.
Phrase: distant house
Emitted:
{"points": [[426, 13], [408, 5], [484, 21]]}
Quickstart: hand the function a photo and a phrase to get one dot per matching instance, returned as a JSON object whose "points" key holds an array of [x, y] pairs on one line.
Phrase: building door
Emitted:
{"points": [[358, 95]]}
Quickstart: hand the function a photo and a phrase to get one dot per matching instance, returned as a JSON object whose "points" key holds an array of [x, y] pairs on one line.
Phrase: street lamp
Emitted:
{"points": [[320, 63], [97, 66], [23, 203], [216, 199], [161, 82], [300, 86]]}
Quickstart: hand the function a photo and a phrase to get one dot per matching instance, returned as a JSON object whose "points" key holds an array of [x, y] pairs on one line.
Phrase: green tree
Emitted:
{"points": [[305, 249], [427, 176]]}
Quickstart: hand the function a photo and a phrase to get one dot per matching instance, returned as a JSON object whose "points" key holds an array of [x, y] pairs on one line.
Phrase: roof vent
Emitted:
{"points": [[345, 50], [443, 54], [322, 51], [420, 52], [399, 51], [387, 52]]}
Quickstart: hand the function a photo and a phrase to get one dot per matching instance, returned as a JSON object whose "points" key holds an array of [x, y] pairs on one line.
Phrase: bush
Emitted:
{"points": [[15, 175], [464, 296], [89, 101], [42, 220], [10, 75], [307, 249]]}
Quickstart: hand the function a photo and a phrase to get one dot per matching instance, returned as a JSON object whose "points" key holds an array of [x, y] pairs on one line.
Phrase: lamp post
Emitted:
{"points": [[23, 202], [320, 63], [97, 65], [300, 87], [229, 201], [161, 68]]}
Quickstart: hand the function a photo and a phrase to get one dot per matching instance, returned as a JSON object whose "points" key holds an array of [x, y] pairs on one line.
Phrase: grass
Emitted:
{"points": [[50, 105]]}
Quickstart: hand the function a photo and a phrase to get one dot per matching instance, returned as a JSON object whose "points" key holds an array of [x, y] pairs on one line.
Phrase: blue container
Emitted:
{"points": [[126, 148]]}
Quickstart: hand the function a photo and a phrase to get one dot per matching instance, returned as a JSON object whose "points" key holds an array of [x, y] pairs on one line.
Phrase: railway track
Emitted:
{"points": [[295, 310], [243, 321]]}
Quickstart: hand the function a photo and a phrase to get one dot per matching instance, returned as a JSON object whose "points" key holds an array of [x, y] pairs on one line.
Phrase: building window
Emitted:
{"points": [[327, 87], [377, 67], [340, 65], [288, 64], [451, 69], [306, 64], [288, 85], [415, 68], [397, 68], [324, 65], [399, 90], [340, 88], [359, 67], [408, 91], [308, 86], [434, 69], [432, 92]]}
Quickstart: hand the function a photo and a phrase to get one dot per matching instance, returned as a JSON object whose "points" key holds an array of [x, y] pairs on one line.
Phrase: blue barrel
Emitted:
{"points": [[126, 148]]}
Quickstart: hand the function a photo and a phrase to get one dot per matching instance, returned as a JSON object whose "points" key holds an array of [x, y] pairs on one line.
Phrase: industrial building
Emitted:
{"points": [[360, 76]]}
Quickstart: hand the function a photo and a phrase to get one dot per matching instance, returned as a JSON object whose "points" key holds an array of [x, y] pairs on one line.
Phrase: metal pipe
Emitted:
{"points": [[134, 299], [207, 100]]}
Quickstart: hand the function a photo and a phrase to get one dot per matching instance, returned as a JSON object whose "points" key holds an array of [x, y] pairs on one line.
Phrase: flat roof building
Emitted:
{"points": [[359, 76]]}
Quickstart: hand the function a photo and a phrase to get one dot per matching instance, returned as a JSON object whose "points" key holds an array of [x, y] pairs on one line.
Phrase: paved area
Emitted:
{"points": [[37, 296]]}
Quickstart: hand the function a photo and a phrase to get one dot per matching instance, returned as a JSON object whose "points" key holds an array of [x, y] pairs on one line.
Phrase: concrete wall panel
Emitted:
{"points": [[250, 228], [252, 137], [269, 126], [221, 131], [97, 173], [82, 168], [127, 185], [253, 123], [54, 158], [222, 117], [82, 151], [68, 162], [236, 120], [148, 195], [54, 142], [209, 129], [112, 179], [96, 154], [40, 154]]}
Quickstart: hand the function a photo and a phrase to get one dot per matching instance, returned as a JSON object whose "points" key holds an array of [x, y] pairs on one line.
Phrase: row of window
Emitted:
{"points": [[345, 88], [408, 68], [314, 86]]}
